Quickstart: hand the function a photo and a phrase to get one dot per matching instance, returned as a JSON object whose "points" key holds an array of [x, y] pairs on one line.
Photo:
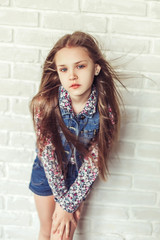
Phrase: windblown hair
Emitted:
{"points": [[46, 101]]}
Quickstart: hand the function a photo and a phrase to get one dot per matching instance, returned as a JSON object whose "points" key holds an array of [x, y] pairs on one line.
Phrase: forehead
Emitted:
{"points": [[70, 55]]}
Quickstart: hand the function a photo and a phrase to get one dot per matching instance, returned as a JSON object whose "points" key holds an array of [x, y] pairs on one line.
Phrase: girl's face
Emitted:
{"points": [[76, 71]]}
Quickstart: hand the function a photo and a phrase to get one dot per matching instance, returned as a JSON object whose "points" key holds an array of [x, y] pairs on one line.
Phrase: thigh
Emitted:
{"points": [[45, 207]]}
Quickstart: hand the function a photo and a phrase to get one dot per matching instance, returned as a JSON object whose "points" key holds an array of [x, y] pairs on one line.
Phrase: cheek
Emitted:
{"points": [[61, 78]]}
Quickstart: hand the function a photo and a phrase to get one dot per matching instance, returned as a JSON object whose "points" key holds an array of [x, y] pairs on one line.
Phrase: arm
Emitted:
{"points": [[50, 163], [53, 172], [70, 200], [81, 187]]}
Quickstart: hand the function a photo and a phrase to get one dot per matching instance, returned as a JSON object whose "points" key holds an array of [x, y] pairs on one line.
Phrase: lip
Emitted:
{"points": [[74, 86]]}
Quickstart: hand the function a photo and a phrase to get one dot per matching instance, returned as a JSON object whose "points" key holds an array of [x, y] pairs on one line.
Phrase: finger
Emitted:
{"points": [[67, 230], [55, 226], [61, 231], [54, 216], [77, 213], [74, 222]]}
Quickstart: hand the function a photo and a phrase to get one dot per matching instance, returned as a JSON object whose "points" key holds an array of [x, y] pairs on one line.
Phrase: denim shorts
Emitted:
{"points": [[39, 183]]}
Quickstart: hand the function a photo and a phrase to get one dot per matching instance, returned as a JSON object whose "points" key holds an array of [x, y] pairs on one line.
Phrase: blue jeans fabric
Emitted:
{"points": [[39, 183]]}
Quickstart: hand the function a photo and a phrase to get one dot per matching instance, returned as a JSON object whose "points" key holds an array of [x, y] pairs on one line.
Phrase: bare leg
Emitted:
{"points": [[45, 207]]}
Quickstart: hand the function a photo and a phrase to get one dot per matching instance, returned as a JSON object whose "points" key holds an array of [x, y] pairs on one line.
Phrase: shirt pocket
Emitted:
{"points": [[87, 135]]}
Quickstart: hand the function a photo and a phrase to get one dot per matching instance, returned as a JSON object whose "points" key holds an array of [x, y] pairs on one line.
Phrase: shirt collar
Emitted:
{"points": [[66, 106]]}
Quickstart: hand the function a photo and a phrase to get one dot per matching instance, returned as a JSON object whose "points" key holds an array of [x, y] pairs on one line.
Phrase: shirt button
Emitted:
{"points": [[82, 117]]}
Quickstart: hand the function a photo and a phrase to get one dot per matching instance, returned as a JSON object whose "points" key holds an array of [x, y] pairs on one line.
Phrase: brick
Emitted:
{"points": [[19, 172], [101, 212], [1, 232], [147, 183], [16, 88], [149, 116], [16, 123], [36, 37], [152, 82], [67, 5], [156, 229], [43, 54], [5, 34], [22, 140], [148, 151], [125, 227], [131, 80], [14, 188], [127, 198], [85, 225], [127, 44], [15, 155], [132, 166], [129, 115], [4, 137], [141, 98], [20, 106], [141, 63], [3, 104], [147, 214], [22, 232], [4, 70], [14, 219], [16, 203], [18, 54], [111, 7], [18, 18], [156, 47], [140, 133], [154, 10], [74, 22], [4, 2], [135, 27], [123, 149], [31, 72], [141, 238], [92, 235], [116, 182], [2, 172]]}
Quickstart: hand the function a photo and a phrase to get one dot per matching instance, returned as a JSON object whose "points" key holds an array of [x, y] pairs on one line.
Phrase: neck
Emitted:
{"points": [[79, 102]]}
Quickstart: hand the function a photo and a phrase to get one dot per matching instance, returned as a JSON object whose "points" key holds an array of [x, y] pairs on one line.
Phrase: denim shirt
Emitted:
{"points": [[84, 125]]}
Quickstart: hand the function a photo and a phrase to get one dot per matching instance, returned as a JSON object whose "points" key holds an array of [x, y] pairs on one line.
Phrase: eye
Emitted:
{"points": [[81, 66], [63, 69]]}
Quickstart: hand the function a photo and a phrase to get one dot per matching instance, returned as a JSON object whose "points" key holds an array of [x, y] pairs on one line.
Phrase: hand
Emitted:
{"points": [[78, 212], [62, 221]]}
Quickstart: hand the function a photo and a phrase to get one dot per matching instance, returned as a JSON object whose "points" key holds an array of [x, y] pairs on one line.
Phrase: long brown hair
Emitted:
{"points": [[46, 101]]}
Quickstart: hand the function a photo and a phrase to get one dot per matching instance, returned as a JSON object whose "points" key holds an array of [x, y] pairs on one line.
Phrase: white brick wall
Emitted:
{"points": [[127, 206]]}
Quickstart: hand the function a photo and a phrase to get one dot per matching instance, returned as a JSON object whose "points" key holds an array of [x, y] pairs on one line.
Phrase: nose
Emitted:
{"points": [[72, 75]]}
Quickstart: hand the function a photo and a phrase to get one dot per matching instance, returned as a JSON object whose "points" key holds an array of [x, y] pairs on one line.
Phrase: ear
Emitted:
{"points": [[97, 69]]}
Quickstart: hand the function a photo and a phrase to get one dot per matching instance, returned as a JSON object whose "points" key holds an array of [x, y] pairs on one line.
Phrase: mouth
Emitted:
{"points": [[74, 86]]}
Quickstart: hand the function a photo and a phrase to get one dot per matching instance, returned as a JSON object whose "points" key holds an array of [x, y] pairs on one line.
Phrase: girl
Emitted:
{"points": [[76, 120]]}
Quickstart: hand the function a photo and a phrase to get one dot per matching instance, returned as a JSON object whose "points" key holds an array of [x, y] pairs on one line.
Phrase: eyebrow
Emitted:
{"points": [[62, 65]]}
